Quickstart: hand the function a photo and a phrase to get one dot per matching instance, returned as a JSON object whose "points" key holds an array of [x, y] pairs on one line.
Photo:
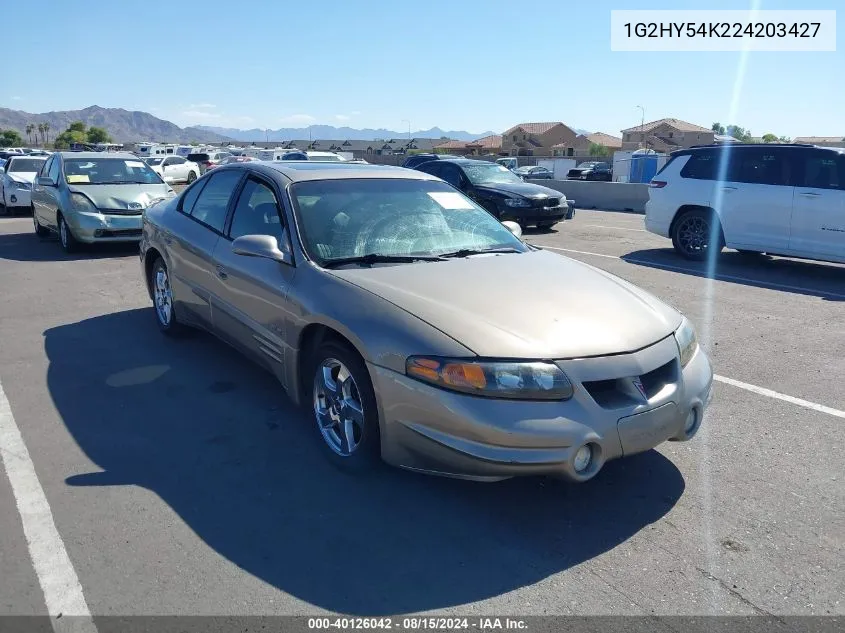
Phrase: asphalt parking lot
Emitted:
{"points": [[179, 480]]}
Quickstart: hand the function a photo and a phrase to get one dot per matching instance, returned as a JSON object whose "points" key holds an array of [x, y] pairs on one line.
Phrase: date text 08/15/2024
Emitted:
{"points": [[417, 624]]}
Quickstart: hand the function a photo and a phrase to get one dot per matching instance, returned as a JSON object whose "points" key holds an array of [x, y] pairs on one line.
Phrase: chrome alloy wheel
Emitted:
{"points": [[338, 407], [163, 297]]}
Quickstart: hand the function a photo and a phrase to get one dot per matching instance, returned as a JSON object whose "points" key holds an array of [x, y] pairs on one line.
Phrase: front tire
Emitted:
{"points": [[66, 238], [344, 406], [696, 233], [40, 231], [163, 307], [191, 177]]}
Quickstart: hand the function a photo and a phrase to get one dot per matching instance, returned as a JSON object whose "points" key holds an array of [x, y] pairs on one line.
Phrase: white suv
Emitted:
{"points": [[776, 199]]}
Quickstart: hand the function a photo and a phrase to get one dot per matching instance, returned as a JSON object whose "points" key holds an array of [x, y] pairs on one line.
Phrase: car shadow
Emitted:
{"points": [[817, 279], [215, 438], [28, 247]]}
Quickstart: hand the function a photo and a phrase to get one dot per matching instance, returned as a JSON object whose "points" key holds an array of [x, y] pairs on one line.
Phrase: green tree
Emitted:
{"points": [[77, 126], [718, 128], [46, 132], [30, 128], [41, 130], [98, 135], [739, 133], [769, 138], [10, 138], [599, 150], [785, 139]]}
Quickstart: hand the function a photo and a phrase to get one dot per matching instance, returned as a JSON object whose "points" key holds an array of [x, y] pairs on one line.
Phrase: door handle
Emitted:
{"points": [[221, 272], [728, 188], [809, 194]]}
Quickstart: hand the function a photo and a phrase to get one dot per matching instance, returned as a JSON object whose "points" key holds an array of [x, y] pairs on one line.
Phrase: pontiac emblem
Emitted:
{"points": [[135, 205]]}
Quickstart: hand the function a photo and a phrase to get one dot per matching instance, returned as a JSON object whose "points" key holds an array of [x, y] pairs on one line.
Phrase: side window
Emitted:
{"points": [[822, 170], [213, 202], [166, 162], [257, 212], [176, 160], [54, 171], [757, 166], [434, 168], [190, 197], [452, 175]]}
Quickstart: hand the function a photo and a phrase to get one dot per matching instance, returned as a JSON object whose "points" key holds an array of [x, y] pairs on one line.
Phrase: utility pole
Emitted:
{"points": [[642, 124]]}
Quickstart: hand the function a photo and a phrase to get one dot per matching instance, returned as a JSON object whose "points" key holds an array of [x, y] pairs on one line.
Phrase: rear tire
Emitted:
{"points": [[191, 177], [696, 233], [344, 409], [165, 312], [66, 238]]}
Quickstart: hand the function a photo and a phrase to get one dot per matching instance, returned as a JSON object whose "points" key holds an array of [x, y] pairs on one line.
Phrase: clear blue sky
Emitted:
{"points": [[470, 64]]}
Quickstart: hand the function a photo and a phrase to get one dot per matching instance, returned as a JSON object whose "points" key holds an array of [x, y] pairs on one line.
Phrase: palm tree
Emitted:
{"points": [[46, 132], [29, 129], [41, 129]]}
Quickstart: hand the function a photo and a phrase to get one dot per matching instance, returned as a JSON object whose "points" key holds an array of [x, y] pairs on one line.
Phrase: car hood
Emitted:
{"points": [[123, 196], [23, 176], [531, 305], [526, 189]]}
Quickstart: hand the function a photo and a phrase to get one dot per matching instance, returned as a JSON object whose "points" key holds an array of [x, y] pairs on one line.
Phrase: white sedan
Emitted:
{"points": [[174, 169], [16, 182]]}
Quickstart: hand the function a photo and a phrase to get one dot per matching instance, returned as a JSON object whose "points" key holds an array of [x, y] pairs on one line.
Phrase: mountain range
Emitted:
{"points": [[331, 132], [125, 126], [122, 125]]}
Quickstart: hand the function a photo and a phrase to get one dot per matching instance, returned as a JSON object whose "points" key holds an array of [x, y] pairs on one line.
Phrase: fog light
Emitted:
{"points": [[583, 458], [692, 418]]}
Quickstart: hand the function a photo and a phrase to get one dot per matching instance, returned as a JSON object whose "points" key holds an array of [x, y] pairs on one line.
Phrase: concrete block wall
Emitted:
{"points": [[609, 196]]}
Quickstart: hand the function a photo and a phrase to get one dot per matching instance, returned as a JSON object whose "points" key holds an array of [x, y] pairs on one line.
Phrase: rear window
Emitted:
{"points": [[198, 158]]}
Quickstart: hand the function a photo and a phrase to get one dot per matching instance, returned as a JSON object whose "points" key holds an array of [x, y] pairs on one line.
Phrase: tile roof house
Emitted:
{"points": [[666, 135], [459, 148], [823, 141], [537, 139], [486, 145], [585, 141]]}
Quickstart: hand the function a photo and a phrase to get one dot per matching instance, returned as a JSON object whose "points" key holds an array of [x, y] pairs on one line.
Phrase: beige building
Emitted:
{"points": [[583, 143], [666, 135], [486, 145], [823, 141], [537, 139]]}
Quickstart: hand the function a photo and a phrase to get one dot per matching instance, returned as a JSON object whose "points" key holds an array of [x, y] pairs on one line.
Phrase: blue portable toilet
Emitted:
{"points": [[643, 165]]}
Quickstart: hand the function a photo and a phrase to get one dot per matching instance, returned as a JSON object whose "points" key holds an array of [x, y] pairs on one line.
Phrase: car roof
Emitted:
{"points": [[297, 171], [121, 155]]}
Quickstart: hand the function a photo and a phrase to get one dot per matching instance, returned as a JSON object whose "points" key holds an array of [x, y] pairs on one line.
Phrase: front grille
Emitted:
{"points": [[121, 211], [615, 393], [545, 203]]}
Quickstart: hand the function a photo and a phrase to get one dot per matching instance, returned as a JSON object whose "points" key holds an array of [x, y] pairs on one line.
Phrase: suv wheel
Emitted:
{"points": [[696, 233]]}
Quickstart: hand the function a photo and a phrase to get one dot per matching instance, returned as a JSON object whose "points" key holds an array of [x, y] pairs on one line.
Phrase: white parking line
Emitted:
{"points": [[781, 396], [608, 226], [62, 592], [718, 276]]}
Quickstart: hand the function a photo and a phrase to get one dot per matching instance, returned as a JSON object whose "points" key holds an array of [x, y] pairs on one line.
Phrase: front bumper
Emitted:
{"points": [[537, 215], [442, 432], [102, 227]]}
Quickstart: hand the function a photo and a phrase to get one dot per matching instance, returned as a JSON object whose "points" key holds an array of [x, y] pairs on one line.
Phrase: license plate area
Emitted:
{"points": [[644, 431]]}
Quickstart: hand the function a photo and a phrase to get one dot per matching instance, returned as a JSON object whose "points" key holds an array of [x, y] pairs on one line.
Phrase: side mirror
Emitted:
{"points": [[513, 227], [264, 246], [46, 181]]}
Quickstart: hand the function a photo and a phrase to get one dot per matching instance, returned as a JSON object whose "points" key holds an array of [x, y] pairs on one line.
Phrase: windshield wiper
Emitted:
{"points": [[378, 258], [466, 252]]}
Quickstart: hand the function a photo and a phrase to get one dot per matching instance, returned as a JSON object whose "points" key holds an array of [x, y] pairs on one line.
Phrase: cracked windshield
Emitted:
{"points": [[382, 337]]}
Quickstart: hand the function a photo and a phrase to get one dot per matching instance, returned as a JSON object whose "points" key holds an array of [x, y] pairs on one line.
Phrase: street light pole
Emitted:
{"points": [[642, 124]]}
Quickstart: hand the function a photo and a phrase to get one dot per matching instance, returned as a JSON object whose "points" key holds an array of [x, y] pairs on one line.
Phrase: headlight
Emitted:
{"points": [[687, 343], [506, 379], [517, 202], [25, 186], [82, 203]]}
